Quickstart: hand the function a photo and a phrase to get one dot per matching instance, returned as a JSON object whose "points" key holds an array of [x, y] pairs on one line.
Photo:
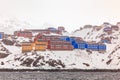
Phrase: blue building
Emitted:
{"points": [[102, 47], [72, 39], [65, 38], [106, 40], [73, 42], [79, 45], [52, 29], [1, 35], [92, 46]]}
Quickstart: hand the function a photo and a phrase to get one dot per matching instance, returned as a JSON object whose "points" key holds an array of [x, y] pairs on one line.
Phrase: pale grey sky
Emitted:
{"points": [[69, 13]]}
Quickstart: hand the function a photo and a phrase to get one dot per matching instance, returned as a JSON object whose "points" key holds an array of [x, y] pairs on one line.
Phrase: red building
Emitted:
{"points": [[54, 30], [61, 28], [44, 31], [114, 27], [41, 31], [26, 34], [57, 42], [60, 47], [47, 37], [118, 24]]}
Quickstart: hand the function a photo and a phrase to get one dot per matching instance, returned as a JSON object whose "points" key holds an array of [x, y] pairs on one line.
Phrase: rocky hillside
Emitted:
{"points": [[12, 57]]}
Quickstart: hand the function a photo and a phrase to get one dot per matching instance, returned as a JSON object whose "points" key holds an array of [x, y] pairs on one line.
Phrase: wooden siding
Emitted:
{"points": [[41, 42], [40, 47], [60, 47], [26, 48], [25, 34], [59, 42]]}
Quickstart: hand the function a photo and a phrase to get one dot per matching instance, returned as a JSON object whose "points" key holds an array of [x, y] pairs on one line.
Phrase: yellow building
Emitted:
{"points": [[39, 47], [26, 47], [36, 46], [41, 42]]}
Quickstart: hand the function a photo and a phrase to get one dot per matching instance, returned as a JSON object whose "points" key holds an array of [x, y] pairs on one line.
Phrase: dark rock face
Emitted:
{"points": [[2, 63], [8, 42], [86, 64], [35, 63], [2, 55], [108, 62], [54, 63], [27, 62], [38, 61]]}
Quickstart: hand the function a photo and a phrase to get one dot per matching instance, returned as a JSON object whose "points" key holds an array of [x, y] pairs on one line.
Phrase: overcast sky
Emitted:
{"points": [[69, 13]]}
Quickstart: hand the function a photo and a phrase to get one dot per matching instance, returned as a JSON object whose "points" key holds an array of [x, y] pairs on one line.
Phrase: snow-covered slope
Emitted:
{"points": [[108, 60]]}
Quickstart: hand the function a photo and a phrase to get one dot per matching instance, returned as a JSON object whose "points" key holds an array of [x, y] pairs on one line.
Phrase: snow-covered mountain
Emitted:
{"points": [[10, 24], [76, 59], [108, 60]]}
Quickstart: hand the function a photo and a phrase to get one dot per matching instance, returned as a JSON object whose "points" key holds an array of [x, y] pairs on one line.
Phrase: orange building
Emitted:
{"points": [[26, 46], [38, 45], [42, 42]]}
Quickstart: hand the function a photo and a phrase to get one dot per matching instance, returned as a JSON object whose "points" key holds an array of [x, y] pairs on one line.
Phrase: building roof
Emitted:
{"points": [[114, 26], [105, 38], [23, 32], [39, 40], [40, 44], [107, 28], [26, 43], [92, 42], [107, 23], [36, 30], [118, 22], [52, 28]]}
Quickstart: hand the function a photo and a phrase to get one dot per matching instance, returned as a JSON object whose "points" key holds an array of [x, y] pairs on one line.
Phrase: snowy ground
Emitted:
{"points": [[76, 59]]}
